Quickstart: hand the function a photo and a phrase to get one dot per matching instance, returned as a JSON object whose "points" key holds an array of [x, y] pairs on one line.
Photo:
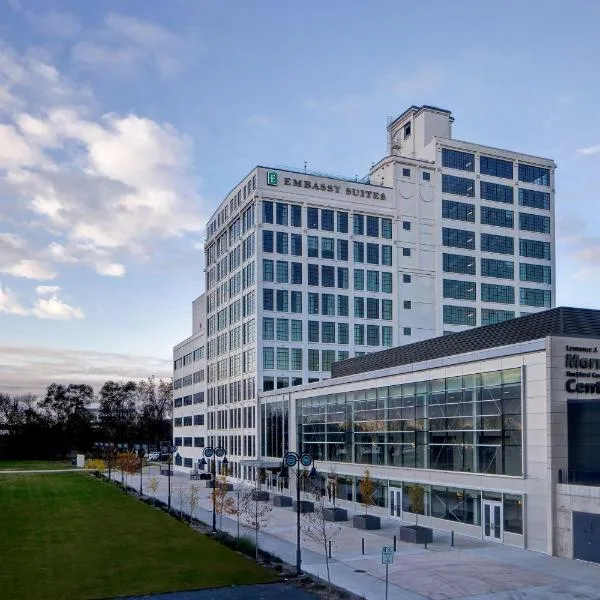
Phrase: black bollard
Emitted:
{"points": [[329, 548], [363, 545], [452, 538], [394, 543]]}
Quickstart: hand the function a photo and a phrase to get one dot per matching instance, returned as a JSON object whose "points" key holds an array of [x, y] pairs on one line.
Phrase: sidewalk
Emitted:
{"points": [[472, 569]]}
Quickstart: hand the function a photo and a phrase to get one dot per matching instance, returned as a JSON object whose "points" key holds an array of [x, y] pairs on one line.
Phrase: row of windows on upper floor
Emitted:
{"points": [[467, 315], [187, 359], [496, 167], [197, 377], [499, 294], [229, 237], [498, 244], [499, 269], [498, 217], [281, 242], [196, 398], [281, 271], [234, 203], [188, 421], [495, 192], [325, 219], [198, 442]]}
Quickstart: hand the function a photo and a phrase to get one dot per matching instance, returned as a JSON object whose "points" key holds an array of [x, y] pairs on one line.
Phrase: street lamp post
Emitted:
{"points": [[172, 450], [214, 453], [141, 455], [290, 460]]}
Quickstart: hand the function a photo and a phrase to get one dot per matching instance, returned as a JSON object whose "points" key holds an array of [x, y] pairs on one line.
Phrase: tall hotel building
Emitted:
{"points": [[304, 269]]}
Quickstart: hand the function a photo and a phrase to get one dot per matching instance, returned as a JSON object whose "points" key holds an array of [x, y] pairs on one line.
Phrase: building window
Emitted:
{"points": [[373, 254], [296, 330], [496, 192], [312, 218], [343, 333], [498, 217], [535, 223], [267, 270], [358, 224], [359, 279], [342, 306], [372, 308], [459, 186], [328, 305], [267, 212], [405, 251], [533, 297], [386, 229], [267, 299], [296, 273], [282, 300], [386, 255], [296, 245], [313, 274], [342, 222], [455, 159], [313, 360], [406, 278], [342, 249], [313, 332], [296, 359], [498, 244], [359, 335], [372, 226], [534, 249], [327, 245], [328, 332], [501, 269], [327, 220], [359, 252], [459, 315], [426, 176], [534, 199], [295, 215], [328, 358], [386, 282], [296, 302], [500, 294], [387, 337], [312, 246], [283, 359], [407, 304], [359, 307], [406, 331], [283, 330], [327, 276], [496, 167], [267, 241], [372, 281], [313, 303], [282, 271], [268, 358], [459, 290], [372, 335], [282, 242], [405, 172], [458, 238], [268, 328], [343, 278], [281, 214], [407, 131], [535, 273], [406, 225], [532, 174], [458, 211], [491, 316], [386, 310]]}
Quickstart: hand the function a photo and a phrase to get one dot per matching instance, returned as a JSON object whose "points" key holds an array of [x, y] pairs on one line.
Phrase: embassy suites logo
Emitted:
{"points": [[307, 184]]}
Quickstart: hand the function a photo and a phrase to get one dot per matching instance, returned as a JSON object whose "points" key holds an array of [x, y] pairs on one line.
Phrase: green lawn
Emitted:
{"points": [[69, 536], [31, 465]]}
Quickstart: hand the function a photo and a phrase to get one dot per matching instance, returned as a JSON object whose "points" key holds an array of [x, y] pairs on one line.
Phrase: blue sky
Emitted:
{"points": [[123, 124]]}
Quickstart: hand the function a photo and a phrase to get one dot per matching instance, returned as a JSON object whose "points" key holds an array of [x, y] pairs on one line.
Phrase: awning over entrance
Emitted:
{"points": [[262, 463]]}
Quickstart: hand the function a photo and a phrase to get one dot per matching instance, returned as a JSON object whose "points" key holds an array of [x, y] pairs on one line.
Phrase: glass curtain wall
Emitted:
{"points": [[468, 423]]}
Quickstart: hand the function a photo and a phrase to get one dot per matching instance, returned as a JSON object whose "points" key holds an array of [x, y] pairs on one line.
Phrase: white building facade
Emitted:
{"points": [[303, 270]]}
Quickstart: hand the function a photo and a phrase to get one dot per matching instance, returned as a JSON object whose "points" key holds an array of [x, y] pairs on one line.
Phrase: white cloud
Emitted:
{"points": [[55, 308], [9, 303], [42, 290], [32, 369], [30, 269], [589, 150], [124, 43], [19, 260]]}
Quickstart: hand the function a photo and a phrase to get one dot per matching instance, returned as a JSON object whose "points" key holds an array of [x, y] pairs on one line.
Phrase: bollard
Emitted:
{"points": [[425, 544], [394, 543], [363, 545], [452, 538], [329, 548]]}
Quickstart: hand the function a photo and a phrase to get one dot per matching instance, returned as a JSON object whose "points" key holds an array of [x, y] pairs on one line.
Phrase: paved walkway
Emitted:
{"points": [[472, 569]]}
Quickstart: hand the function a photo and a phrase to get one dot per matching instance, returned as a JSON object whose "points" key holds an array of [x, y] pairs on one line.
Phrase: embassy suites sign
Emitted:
{"points": [[582, 367], [308, 184]]}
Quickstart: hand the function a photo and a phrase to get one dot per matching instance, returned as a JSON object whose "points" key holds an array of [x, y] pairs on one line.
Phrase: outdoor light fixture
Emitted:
{"points": [[214, 453]]}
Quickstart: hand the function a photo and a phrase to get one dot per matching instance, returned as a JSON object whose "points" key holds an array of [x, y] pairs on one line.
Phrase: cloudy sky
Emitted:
{"points": [[123, 124]]}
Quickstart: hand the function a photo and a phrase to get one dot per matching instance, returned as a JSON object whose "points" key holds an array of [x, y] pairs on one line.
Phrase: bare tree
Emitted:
{"points": [[222, 501], [193, 498], [317, 528], [180, 498], [153, 486], [254, 513]]}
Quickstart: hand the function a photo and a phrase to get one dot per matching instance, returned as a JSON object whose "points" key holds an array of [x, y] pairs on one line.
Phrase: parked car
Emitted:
{"points": [[152, 456]]}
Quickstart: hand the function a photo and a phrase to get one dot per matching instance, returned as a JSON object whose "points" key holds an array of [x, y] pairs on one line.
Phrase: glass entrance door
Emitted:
{"points": [[396, 502], [492, 521]]}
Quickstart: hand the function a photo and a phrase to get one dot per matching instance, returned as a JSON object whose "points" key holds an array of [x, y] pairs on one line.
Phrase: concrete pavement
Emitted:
{"points": [[471, 570]]}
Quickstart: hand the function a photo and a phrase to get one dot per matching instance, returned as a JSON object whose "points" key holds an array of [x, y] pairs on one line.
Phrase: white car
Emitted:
{"points": [[152, 456]]}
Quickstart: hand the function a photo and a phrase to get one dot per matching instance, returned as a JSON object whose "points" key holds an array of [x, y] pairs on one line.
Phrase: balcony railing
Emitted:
{"points": [[575, 477]]}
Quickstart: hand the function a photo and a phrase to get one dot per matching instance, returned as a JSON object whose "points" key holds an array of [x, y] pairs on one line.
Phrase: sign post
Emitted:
{"points": [[387, 559]]}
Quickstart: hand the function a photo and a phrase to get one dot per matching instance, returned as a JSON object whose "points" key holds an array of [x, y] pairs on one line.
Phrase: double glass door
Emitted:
{"points": [[396, 502], [492, 520]]}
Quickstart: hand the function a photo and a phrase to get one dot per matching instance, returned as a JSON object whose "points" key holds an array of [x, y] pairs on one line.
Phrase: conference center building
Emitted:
{"points": [[498, 427]]}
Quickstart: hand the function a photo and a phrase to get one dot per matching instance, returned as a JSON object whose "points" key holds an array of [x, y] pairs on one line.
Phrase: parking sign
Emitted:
{"points": [[387, 555]]}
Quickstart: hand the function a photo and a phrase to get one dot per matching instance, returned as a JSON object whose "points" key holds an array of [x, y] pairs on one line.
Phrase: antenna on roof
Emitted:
{"points": [[305, 167]]}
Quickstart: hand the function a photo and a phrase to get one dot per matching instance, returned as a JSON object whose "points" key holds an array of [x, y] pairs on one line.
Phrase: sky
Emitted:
{"points": [[124, 124]]}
